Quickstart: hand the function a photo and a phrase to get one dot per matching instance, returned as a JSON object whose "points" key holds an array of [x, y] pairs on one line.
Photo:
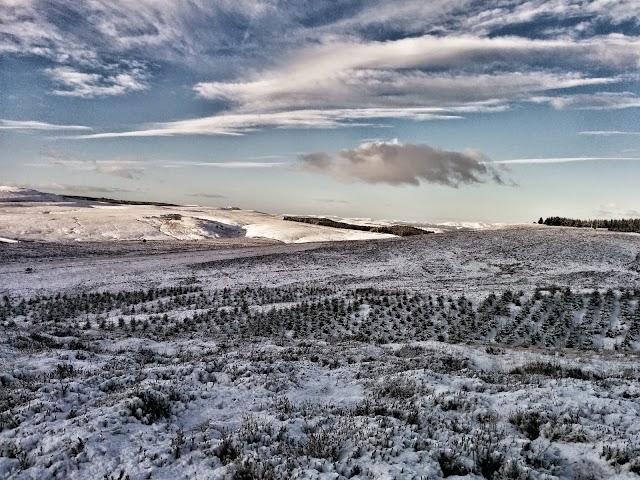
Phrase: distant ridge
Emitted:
{"points": [[399, 230], [119, 202]]}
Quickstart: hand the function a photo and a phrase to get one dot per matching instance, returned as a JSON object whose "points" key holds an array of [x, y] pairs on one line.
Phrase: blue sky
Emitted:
{"points": [[498, 110]]}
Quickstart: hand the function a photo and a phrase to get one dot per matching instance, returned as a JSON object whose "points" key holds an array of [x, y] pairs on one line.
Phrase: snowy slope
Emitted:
{"points": [[31, 215]]}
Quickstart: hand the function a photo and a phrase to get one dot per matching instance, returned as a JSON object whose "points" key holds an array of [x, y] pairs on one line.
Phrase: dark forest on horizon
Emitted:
{"points": [[621, 225]]}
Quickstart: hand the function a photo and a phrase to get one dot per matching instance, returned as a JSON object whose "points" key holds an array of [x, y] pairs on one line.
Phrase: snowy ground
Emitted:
{"points": [[473, 263], [508, 353]]}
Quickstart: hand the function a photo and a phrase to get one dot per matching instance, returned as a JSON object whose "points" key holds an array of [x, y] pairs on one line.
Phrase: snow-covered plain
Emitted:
{"points": [[247, 358]]}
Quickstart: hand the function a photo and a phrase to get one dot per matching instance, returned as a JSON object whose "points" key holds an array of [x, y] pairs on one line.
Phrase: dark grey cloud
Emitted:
{"points": [[396, 163]]}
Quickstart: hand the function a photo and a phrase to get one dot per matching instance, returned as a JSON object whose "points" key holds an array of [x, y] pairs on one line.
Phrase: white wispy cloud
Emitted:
{"points": [[392, 73], [207, 195], [355, 82], [29, 125], [606, 133], [550, 160], [612, 210], [225, 165], [335, 63], [127, 167], [89, 85], [596, 101], [241, 123], [62, 188]]}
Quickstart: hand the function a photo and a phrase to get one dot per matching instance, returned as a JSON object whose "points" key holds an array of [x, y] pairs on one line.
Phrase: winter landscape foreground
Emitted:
{"points": [[504, 353]]}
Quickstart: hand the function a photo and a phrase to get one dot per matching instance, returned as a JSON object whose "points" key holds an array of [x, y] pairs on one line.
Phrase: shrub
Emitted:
{"points": [[227, 451], [450, 463], [150, 406], [488, 463], [528, 422]]}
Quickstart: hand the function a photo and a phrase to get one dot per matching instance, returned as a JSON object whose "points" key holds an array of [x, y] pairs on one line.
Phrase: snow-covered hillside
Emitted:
{"points": [[31, 215]]}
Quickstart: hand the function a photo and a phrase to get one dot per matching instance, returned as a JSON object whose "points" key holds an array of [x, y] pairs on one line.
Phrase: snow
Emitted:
{"points": [[17, 194], [31, 215], [303, 232]]}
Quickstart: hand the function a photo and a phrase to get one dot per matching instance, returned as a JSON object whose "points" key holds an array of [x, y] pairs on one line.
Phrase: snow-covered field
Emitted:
{"points": [[29, 215], [508, 353]]}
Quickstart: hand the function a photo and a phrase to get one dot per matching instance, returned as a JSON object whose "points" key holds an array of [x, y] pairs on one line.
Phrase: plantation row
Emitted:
{"points": [[551, 317]]}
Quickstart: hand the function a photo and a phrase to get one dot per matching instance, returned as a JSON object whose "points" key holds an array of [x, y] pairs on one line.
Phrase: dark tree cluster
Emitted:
{"points": [[621, 225]]}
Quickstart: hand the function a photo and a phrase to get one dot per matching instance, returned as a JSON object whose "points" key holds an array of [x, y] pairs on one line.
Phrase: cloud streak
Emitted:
{"points": [[225, 165], [124, 167], [552, 160], [31, 125], [396, 163], [596, 101], [207, 195], [606, 133], [398, 73], [612, 210], [241, 123]]}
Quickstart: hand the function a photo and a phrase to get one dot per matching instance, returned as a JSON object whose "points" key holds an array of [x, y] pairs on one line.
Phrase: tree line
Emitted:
{"points": [[620, 225]]}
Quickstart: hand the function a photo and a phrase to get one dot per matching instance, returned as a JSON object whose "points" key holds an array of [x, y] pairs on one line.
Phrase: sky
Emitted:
{"points": [[456, 110]]}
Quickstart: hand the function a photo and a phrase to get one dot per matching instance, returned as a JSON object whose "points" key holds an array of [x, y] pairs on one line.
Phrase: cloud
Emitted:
{"points": [[331, 200], [354, 82], [396, 163], [225, 165], [606, 133], [356, 62], [241, 123], [612, 210], [123, 167], [74, 189], [90, 85], [551, 160], [91, 189], [31, 125], [404, 72], [207, 195], [596, 101], [375, 88], [248, 34]]}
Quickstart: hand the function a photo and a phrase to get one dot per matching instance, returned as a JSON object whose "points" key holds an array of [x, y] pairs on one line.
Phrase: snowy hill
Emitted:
{"points": [[19, 195], [31, 215]]}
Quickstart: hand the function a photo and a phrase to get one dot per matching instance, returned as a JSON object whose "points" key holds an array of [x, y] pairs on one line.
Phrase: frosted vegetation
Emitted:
{"points": [[320, 382]]}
